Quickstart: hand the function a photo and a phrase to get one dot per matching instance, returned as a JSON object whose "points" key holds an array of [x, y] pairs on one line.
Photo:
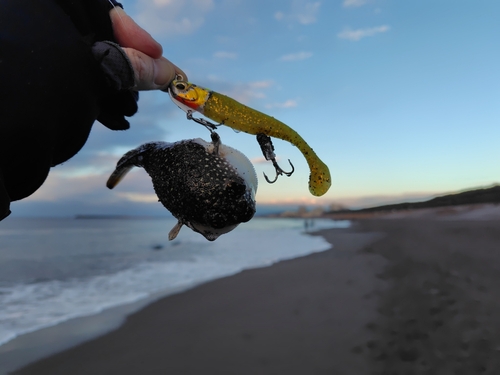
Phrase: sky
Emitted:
{"points": [[401, 99]]}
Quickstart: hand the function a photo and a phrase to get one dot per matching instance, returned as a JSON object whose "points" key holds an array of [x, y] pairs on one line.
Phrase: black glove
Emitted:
{"points": [[118, 73]]}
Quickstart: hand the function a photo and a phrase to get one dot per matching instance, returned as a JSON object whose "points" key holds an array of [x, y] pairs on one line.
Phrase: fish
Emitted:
{"points": [[207, 186], [227, 111]]}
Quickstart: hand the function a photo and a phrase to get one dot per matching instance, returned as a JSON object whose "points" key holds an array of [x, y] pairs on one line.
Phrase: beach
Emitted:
{"points": [[393, 296]]}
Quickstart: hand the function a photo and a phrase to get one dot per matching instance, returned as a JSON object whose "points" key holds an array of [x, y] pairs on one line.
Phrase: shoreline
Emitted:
{"points": [[391, 296], [43, 342], [363, 238]]}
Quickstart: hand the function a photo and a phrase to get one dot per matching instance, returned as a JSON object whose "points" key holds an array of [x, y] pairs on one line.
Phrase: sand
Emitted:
{"points": [[441, 314], [405, 296]]}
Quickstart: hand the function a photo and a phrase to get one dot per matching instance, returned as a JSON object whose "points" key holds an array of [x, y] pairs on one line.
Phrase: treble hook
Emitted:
{"points": [[279, 171], [266, 145], [207, 124]]}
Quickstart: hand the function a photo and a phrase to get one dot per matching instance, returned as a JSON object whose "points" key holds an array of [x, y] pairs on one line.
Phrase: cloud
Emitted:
{"points": [[70, 190], [354, 3], [83, 178], [139, 197], [358, 34], [261, 160], [171, 17], [279, 15], [286, 104], [59, 187], [296, 56], [260, 84], [243, 92], [63, 195], [104, 147], [303, 12], [225, 55]]}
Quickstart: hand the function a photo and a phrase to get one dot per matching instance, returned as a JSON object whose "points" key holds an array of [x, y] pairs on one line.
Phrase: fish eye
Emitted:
{"points": [[180, 86]]}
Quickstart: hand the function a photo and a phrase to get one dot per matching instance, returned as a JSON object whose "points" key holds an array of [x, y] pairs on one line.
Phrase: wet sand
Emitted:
{"points": [[402, 296]]}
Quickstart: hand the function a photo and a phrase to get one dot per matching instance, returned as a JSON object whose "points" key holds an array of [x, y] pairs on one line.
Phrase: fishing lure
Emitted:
{"points": [[227, 111]]}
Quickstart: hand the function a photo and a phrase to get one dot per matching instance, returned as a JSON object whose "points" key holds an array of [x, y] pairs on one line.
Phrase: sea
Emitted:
{"points": [[56, 269]]}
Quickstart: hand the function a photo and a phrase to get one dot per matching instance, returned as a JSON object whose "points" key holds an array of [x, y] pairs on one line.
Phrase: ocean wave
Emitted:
{"points": [[27, 307]]}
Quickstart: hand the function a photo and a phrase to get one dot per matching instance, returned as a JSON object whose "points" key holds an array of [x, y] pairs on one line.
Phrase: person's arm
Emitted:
{"points": [[56, 81]]}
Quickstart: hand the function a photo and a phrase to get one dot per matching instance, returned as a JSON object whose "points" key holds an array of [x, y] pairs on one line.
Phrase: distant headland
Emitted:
{"points": [[474, 197]]}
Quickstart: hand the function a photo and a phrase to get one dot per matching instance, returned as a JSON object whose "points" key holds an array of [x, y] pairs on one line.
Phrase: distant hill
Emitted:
{"points": [[476, 196]]}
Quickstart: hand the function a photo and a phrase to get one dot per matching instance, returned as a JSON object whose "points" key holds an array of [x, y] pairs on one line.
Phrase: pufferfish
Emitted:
{"points": [[207, 186]]}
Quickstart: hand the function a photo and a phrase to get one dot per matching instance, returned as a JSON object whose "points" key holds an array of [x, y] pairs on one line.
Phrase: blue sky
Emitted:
{"points": [[401, 99]]}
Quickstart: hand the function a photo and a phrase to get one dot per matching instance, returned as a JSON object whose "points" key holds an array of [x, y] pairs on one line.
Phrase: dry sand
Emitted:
{"points": [[441, 314], [402, 296]]}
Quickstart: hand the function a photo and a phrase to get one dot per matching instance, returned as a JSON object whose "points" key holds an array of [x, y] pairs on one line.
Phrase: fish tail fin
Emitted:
{"points": [[118, 175]]}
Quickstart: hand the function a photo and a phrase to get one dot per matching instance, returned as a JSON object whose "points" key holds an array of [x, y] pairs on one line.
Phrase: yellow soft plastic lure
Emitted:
{"points": [[227, 111]]}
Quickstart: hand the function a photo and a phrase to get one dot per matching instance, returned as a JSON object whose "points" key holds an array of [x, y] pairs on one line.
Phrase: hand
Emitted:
{"points": [[152, 70]]}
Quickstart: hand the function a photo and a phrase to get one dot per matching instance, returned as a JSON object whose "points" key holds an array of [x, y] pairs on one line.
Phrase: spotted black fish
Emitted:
{"points": [[207, 186]]}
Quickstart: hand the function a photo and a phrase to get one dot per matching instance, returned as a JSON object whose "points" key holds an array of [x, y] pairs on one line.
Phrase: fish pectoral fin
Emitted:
{"points": [[118, 175], [175, 230]]}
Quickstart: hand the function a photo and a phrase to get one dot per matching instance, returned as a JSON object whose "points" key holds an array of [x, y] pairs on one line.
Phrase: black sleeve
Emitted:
{"points": [[92, 21], [53, 88]]}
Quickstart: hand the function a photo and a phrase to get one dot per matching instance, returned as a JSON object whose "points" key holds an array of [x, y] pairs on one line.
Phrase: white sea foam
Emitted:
{"points": [[26, 307]]}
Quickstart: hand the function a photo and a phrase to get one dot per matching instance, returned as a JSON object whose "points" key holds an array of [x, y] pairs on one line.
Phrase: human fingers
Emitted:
{"points": [[130, 34], [152, 74]]}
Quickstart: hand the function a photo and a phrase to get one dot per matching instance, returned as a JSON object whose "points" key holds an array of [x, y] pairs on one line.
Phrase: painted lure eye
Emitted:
{"points": [[180, 86]]}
